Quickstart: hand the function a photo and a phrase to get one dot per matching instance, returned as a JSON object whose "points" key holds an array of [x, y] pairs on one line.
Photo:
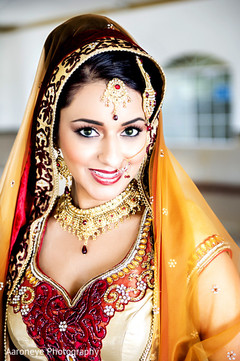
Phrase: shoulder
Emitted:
{"points": [[219, 295]]}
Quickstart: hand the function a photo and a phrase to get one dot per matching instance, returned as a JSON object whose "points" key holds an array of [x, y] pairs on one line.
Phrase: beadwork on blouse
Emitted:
{"points": [[55, 325]]}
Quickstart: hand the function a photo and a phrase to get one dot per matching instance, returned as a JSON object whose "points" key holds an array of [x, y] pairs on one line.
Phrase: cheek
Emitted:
{"points": [[137, 160], [137, 152], [75, 151]]}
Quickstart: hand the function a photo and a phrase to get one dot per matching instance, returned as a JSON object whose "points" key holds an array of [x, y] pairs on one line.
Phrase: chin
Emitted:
{"points": [[104, 193]]}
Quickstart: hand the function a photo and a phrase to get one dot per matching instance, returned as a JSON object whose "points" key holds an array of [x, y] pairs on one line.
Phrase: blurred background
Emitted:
{"points": [[197, 44]]}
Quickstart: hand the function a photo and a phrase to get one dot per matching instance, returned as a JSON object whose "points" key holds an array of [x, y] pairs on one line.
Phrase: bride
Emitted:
{"points": [[109, 252]]}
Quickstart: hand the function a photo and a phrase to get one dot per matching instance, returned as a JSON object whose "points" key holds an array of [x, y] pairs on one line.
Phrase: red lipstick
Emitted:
{"points": [[106, 177]]}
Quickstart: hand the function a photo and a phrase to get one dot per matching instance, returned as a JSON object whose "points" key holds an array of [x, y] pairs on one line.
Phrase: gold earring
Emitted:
{"points": [[63, 170], [61, 166]]}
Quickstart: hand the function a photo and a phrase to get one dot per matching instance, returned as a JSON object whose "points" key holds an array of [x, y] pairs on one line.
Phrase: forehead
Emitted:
{"points": [[88, 103]]}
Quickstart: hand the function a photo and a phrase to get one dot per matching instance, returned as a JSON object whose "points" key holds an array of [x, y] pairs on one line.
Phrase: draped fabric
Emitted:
{"points": [[184, 224], [190, 243]]}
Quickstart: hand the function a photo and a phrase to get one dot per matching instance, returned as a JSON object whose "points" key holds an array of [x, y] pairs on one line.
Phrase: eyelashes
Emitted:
{"points": [[131, 131], [87, 132], [90, 132]]}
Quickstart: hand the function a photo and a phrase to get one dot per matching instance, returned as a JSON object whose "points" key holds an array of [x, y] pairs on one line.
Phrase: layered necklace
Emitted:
{"points": [[89, 223]]}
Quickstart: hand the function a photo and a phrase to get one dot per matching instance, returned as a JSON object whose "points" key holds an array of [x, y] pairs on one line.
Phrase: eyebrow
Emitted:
{"points": [[95, 122], [133, 121], [90, 121]]}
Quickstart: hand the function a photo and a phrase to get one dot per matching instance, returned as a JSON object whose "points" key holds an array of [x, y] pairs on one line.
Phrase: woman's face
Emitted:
{"points": [[95, 147]]}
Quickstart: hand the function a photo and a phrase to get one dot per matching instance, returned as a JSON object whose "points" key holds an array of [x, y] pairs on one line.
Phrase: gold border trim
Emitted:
{"points": [[205, 253]]}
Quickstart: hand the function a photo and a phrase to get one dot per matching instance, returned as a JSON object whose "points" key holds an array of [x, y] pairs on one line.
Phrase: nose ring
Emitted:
{"points": [[125, 169]]}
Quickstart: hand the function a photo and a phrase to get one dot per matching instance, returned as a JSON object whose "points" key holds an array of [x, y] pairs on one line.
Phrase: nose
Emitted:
{"points": [[110, 153]]}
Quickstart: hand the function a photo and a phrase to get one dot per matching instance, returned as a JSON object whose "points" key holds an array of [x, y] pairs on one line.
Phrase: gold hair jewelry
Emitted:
{"points": [[116, 93], [149, 95], [89, 223]]}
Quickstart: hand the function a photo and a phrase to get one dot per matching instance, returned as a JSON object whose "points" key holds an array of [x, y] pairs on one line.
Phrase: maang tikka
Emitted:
{"points": [[117, 94]]}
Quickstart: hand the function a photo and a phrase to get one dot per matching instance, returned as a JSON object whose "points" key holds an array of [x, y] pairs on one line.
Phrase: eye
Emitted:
{"points": [[87, 132], [131, 132]]}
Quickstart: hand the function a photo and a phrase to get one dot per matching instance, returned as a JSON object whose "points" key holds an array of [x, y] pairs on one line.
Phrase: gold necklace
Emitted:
{"points": [[87, 223]]}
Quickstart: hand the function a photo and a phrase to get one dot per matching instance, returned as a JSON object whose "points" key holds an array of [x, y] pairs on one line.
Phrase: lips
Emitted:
{"points": [[105, 177]]}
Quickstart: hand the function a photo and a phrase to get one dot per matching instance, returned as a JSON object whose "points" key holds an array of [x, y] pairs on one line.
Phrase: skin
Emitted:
{"points": [[90, 139], [108, 145]]}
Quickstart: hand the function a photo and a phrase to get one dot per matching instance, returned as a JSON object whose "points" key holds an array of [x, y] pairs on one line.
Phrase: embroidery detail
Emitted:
{"points": [[165, 211], [141, 285], [172, 263], [24, 310], [21, 298], [71, 357], [110, 26], [19, 256], [138, 258], [63, 326], [162, 153], [1, 286], [156, 310], [53, 324], [205, 253], [109, 310], [194, 334], [231, 355], [118, 295], [12, 183], [215, 289]]}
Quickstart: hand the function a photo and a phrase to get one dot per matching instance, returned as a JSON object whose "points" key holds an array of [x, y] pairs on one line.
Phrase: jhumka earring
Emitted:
{"points": [[63, 170], [117, 94]]}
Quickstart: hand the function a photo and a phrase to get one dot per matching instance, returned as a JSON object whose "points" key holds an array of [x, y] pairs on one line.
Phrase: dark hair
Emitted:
{"points": [[104, 66]]}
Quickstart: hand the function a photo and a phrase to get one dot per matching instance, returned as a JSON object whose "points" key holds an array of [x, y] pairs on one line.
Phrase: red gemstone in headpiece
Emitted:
{"points": [[115, 117], [84, 222], [84, 249], [117, 86]]}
